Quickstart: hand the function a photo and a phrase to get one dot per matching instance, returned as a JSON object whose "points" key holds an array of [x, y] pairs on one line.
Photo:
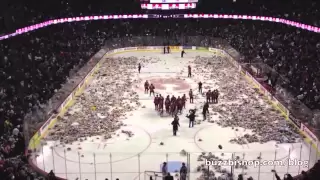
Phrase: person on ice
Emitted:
{"points": [[205, 110], [160, 104], [215, 96], [168, 49], [191, 96], [208, 96], [151, 88], [189, 71], [182, 53], [179, 104], [164, 169], [164, 49], [175, 124], [169, 177], [139, 68], [156, 102], [183, 172], [184, 99], [200, 87], [192, 117], [146, 87], [51, 176]]}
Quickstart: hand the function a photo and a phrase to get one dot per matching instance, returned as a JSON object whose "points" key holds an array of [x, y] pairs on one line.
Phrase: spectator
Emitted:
{"points": [[183, 172], [240, 177], [288, 177], [164, 169], [15, 132], [169, 177], [304, 175], [51, 176]]}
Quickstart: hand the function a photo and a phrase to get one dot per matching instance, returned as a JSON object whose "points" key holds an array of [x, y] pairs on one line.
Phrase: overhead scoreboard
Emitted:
{"points": [[168, 4], [173, 1]]}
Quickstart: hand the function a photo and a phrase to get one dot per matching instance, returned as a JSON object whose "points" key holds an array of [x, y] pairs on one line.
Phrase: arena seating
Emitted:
{"points": [[34, 65]]}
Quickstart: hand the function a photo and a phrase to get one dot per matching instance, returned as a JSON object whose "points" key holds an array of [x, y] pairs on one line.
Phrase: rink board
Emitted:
{"points": [[36, 139]]}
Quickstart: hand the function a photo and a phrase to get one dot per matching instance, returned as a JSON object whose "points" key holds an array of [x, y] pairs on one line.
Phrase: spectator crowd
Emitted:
{"points": [[35, 65]]}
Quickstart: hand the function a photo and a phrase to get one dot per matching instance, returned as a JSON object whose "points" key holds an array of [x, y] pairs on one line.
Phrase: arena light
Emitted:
{"points": [[145, 16]]}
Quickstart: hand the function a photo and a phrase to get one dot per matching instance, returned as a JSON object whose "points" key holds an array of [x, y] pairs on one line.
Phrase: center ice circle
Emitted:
{"points": [[174, 84], [95, 149]]}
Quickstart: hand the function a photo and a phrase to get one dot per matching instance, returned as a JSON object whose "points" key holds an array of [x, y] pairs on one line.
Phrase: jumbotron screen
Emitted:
{"points": [[172, 1], [168, 4], [167, 1]]}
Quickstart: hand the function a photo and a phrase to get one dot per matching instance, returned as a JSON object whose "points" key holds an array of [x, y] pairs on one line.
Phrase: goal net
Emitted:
{"points": [[153, 175]]}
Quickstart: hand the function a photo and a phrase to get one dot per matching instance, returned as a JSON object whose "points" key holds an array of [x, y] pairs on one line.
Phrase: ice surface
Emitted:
{"points": [[95, 157]]}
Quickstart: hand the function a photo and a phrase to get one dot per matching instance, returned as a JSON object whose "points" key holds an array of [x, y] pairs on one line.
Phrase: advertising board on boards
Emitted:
{"points": [[232, 61], [266, 92], [155, 47], [74, 93], [255, 82], [215, 51], [129, 48], [243, 72], [313, 137], [175, 47], [65, 103], [141, 47], [149, 47], [100, 54], [187, 47], [62, 105], [45, 125], [118, 50], [81, 84], [284, 110], [202, 48], [296, 121], [110, 52], [249, 75]]}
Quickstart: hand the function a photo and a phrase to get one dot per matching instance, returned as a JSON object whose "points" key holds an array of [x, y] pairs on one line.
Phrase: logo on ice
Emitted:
{"points": [[257, 163]]}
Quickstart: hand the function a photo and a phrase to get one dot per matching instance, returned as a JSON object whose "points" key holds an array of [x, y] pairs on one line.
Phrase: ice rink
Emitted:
{"points": [[136, 156]]}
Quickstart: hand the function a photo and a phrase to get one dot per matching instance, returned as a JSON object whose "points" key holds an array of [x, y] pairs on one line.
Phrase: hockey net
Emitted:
{"points": [[154, 175]]}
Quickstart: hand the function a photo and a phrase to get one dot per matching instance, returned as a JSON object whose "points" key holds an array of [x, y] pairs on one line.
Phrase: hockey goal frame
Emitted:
{"points": [[155, 174]]}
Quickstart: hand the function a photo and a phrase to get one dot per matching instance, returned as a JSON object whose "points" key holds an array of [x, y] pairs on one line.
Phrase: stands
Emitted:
{"points": [[35, 65]]}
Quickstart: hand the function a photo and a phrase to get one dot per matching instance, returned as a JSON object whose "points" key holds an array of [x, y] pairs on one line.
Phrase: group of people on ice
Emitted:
{"points": [[172, 105], [149, 88], [211, 96], [191, 116]]}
